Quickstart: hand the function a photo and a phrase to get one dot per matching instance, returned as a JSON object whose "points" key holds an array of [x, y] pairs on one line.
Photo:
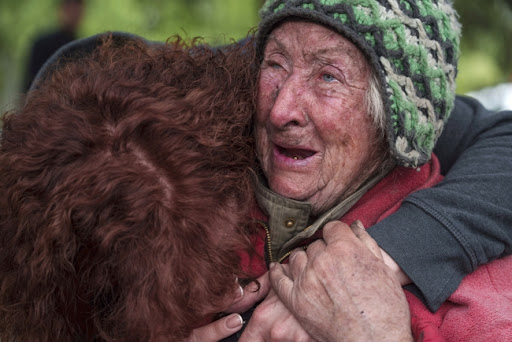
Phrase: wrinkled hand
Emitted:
{"points": [[242, 300], [272, 321], [359, 230], [399, 274], [341, 290]]}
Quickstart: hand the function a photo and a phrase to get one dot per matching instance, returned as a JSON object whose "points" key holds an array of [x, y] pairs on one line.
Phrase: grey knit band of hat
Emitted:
{"points": [[413, 45]]}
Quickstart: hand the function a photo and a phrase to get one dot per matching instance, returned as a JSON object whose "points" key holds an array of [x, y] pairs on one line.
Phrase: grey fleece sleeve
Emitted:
{"points": [[441, 234]]}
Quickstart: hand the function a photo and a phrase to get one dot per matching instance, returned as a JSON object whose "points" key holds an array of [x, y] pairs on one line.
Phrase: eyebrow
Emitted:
{"points": [[337, 51], [337, 55]]}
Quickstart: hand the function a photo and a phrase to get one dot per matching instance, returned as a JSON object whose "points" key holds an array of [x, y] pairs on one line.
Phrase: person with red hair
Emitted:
{"points": [[126, 180]]}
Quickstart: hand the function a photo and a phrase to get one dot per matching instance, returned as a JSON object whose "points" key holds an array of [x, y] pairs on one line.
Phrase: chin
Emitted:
{"points": [[288, 190]]}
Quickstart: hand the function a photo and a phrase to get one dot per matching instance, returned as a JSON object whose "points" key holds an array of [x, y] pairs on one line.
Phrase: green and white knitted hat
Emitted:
{"points": [[413, 45]]}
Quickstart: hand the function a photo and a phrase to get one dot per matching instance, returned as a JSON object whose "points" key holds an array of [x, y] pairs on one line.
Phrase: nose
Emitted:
{"points": [[289, 104]]}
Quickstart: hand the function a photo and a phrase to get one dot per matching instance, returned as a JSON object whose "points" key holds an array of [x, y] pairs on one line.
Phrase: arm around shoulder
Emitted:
{"points": [[442, 234]]}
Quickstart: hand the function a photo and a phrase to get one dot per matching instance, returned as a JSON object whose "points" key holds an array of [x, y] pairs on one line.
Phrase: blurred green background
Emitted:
{"points": [[486, 44]]}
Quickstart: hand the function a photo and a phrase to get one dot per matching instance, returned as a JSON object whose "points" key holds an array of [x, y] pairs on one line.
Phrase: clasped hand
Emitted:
{"points": [[339, 289]]}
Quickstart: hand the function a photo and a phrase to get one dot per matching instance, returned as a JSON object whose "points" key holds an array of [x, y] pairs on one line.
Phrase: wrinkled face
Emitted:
{"points": [[314, 137]]}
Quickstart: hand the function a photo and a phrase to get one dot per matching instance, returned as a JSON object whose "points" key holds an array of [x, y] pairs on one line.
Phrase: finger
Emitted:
{"points": [[281, 284], [400, 275], [217, 330], [315, 248], [335, 231], [286, 267], [234, 297], [252, 294], [239, 293], [297, 263], [359, 230]]}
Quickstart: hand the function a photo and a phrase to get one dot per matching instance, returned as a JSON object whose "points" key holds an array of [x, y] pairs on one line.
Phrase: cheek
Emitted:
{"points": [[347, 133], [268, 86], [260, 133], [344, 114], [362, 139], [263, 150]]}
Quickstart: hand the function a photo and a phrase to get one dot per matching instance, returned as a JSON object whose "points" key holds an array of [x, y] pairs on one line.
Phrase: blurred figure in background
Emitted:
{"points": [[70, 13]]}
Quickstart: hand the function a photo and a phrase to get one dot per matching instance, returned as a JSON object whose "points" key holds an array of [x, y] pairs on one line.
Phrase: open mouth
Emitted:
{"points": [[295, 153]]}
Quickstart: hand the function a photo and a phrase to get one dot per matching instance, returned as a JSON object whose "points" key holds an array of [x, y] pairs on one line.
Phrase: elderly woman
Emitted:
{"points": [[352, 98], [126, 180]]}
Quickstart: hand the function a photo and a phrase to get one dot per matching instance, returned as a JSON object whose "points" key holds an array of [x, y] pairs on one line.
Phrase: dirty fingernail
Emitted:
{"points": [[359, 224]]}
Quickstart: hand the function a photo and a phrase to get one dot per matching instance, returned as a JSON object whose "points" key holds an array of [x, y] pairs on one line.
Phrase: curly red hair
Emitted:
{"points": [[126, 180]]}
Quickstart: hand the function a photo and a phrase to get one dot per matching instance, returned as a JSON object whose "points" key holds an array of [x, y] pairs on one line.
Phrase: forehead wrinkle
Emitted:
{"points": [[280, 40], [306, 51], [273, 39]]}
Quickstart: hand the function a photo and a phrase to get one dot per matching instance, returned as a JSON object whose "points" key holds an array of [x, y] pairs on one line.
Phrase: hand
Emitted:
{"points": [[339, 289], [244, 299], [251, 294], [272, 321], [216, 331], [359, 230], [400, 275]]}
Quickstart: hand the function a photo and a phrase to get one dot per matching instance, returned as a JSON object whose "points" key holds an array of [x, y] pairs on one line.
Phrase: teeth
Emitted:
{"points": [[295, 158]]}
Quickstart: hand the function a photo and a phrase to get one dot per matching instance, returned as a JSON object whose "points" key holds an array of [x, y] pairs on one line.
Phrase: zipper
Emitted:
{"points": [[305, 247], [269, 246]]}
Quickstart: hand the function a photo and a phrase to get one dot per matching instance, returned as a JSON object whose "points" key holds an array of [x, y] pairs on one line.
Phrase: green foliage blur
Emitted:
{"points": [[486, 57], [486, 45]]}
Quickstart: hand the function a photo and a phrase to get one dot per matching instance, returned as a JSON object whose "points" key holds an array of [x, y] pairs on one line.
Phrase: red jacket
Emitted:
{"points": [[481, 308]]}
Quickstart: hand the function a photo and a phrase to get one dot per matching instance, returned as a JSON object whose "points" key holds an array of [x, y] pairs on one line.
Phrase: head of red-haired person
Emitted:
{"points": [[126, 180]]}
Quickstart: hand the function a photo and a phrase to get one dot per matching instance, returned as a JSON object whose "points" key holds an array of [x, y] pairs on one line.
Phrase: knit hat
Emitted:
{"points": [[413, 45]]}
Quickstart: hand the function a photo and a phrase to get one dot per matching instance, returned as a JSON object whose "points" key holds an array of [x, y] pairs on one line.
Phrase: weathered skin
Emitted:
{"points": [[314, 137]]}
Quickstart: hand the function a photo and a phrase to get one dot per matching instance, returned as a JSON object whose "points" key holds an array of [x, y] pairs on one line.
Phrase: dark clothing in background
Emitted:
{"points": [[42, 49]]}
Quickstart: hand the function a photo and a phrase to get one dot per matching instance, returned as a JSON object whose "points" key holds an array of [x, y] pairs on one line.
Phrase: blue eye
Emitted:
{"points": [[328, 78]]}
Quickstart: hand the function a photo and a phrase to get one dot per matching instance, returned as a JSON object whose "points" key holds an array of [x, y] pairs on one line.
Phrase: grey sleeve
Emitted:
{"points": [[441, 234]]}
